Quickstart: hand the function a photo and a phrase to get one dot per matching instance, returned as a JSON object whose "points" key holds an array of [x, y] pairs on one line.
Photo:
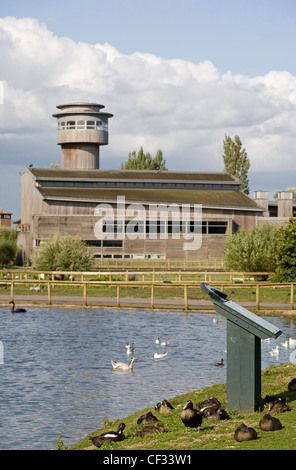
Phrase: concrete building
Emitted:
{"points": [[153, 213]]}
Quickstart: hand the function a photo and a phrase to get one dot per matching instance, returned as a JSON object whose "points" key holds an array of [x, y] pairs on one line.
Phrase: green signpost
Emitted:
{"points": [[244, 333]]}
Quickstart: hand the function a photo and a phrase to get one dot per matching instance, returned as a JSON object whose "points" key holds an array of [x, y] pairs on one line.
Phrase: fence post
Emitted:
{"points": [[48, 293], [11, 290], [84, 295], [257, 297], [292, 296], [152, 296], [118, 295], [185, 297]]}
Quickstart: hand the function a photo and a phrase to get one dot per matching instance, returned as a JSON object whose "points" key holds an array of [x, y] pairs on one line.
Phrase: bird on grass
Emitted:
{"points": [[270, 423], [190, 417], [245, 433], [215, 413], [154, 428], [164, 407], [16, 310], [110, 436], [276, 404], [292, 385], [122, 365], [147, 418]]}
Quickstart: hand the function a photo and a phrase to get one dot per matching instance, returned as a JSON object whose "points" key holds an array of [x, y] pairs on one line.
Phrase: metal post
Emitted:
{"points": [[48, 293]]}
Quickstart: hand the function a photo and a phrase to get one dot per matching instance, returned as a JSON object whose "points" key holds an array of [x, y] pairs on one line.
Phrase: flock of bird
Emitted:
{"points": [[290, 343], [192, 416], [130, 349]]}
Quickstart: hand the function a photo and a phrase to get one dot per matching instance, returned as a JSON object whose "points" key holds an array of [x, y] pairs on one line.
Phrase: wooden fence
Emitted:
{"points": [[199, 299]]}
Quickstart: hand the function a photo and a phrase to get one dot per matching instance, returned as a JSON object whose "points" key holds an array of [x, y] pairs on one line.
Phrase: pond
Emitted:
{"points": [[56, 374]]}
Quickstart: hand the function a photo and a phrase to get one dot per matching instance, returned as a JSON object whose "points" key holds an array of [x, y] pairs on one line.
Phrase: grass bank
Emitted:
{"points": [[213, 435]]}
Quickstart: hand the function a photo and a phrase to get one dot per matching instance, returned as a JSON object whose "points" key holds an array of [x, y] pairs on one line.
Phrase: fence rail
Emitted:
{"points": [[183, 301]]}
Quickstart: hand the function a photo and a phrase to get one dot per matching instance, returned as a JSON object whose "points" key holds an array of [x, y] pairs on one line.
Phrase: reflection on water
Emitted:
{"points": [[56, 377]]}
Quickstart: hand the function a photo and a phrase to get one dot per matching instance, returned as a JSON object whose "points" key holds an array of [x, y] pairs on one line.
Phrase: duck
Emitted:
{"points": [[130, 348], [211, 401], [110, 436], [215, 414], [292, 385], [289, 343], [270, 423], [154, 428], [164, 407], [157, 341], [122, 365], [147, 418], [159, 355], [220, 363], [215, 321], [190, 417], [244, 433], [276, 404], [16, 310]]}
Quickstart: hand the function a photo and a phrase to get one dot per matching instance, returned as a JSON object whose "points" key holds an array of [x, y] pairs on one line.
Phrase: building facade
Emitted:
{"points": [[125, 213]]}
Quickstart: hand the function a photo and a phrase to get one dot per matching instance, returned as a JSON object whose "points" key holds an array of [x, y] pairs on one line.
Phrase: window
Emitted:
{"points": [[90, 124], [80, 124], [217, 227], [70, 124]]}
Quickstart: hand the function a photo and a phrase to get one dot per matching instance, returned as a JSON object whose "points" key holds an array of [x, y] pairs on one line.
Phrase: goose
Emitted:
{"points": [[147, 418], [157, 427], [270, 423], [292, 385], [111, 436], [160, 355], [16, 310], [122, 365], [219, 363], [276, 404], [244, 433], [190, 417]]}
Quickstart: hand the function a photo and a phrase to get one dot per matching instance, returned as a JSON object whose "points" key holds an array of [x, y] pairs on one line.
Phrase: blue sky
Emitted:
{"points": [[244, 36], [177, 76]]}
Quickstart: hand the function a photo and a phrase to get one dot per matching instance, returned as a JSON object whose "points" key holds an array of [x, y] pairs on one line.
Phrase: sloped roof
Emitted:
{"points": [[211, 198]]}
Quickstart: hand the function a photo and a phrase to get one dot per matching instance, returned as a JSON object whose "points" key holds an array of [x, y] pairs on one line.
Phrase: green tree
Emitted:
{"points": [[8, 245], [64, 253], [252, 250], [236, 161], [144, 161], [286, 253]]}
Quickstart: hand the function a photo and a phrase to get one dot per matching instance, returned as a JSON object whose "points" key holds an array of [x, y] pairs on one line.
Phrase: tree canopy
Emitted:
{"points": [[8, 245], [236, 161], [144, 161], [64, 253]]}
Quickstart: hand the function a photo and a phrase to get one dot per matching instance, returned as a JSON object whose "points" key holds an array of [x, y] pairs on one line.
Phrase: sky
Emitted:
{"points": [[178, 76]]}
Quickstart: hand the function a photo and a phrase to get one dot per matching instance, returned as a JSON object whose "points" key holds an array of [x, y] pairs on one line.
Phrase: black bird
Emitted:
{"points": [[191, 417], [16, 310], [154, 428], [164, 407], [216, 413], [219, 363], [110, 436], [292, 385], [270, 423], [147, 418], [244, 433], [276, 404], [211, 401]]}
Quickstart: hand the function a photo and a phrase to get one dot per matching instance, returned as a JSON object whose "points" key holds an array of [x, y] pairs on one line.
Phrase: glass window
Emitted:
{"points": [[217, 227], [70, 124], [90, 124], [80, 124]]}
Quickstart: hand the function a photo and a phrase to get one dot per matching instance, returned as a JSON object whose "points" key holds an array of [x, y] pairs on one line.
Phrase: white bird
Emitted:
{"points": [[129, 348], [290, 343], [122, 365], [275, 352], [157, 341], [159, 355], [164, 343], [215, 321]]}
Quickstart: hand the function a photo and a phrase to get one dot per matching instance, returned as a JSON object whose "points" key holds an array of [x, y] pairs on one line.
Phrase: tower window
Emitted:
{"points": [[70, 124], [90, 124], [80, 124]]}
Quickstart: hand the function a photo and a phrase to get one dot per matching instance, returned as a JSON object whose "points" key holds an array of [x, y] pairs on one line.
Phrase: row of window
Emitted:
{"points": [[82, 125], [130, 256], [165, 226], [128, 184]]}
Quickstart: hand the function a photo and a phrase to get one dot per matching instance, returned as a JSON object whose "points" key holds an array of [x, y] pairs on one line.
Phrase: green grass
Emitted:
{"points": [[213, 435]]}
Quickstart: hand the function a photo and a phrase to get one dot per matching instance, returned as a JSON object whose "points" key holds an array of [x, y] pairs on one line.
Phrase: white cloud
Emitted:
{"points": [[179, 106]]}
